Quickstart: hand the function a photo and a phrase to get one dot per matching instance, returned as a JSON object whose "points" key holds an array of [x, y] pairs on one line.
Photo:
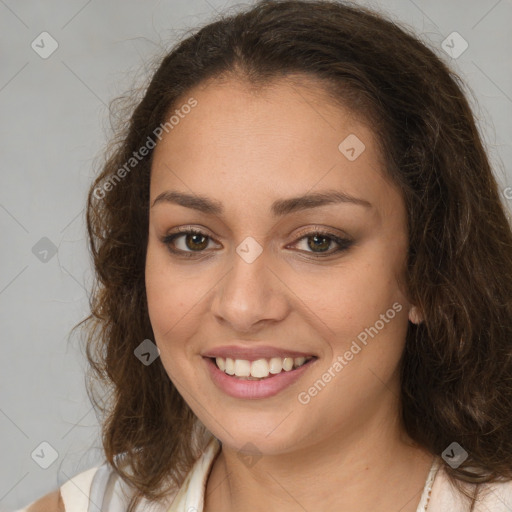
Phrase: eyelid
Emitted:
{"points": [[323, 230], [169, 239], [343, 241]]}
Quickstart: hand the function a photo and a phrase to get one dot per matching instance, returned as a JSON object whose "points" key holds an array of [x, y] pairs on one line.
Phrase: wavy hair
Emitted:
{"points": [[456, 368]]}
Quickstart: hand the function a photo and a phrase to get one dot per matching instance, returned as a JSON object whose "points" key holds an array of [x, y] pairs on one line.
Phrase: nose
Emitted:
{"points": [[250, 295]]}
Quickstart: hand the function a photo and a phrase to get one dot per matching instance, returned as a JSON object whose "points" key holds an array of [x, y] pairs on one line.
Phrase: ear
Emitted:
{"points": [[415, 316]]}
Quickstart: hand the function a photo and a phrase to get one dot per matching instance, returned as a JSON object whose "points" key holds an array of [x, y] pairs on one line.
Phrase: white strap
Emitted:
{"points": [[98, 488], [75, 492]]}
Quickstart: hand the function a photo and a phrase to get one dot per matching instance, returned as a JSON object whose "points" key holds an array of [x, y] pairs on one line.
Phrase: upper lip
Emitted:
{"points": [[253, 353]]}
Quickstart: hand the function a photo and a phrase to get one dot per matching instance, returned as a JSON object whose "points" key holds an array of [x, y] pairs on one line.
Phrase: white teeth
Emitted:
{"points": [[220, 363], [287, 363], [230, 366], [276, 365], [299, 361], [242, 368], [259, 369]]}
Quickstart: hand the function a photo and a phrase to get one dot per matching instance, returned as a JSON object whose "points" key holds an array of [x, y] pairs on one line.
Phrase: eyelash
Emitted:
{"points": [[344, 243]]}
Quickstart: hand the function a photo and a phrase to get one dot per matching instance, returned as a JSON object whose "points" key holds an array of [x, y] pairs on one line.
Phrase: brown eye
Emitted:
{"points": [[318, 243], [193, 241]]}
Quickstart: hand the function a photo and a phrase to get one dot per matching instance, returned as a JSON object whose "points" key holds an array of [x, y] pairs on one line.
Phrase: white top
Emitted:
{"points": [[100, 489]]}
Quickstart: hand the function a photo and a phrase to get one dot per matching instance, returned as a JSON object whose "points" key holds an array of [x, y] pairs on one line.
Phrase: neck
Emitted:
{"points": [[374, 467]]}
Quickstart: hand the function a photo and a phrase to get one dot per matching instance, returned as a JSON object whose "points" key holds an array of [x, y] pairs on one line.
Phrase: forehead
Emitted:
{"points": [[289, 109], [278, 141]]}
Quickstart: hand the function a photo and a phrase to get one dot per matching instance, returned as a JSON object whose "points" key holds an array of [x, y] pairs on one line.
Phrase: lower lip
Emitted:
{"points": [[239, 388]]}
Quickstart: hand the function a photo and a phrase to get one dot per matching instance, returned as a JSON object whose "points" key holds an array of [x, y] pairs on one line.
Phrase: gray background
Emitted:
{"points": [[54, 125]]}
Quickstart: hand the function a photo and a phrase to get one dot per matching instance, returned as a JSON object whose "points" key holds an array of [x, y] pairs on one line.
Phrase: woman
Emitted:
{"points": [[304, 280]]}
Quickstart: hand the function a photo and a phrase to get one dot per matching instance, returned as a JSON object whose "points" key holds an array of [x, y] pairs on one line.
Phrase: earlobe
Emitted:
{"points": [[415, 316]]}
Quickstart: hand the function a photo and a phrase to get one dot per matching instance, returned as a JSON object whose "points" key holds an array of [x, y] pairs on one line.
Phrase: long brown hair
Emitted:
{"points": [[456, 370]]}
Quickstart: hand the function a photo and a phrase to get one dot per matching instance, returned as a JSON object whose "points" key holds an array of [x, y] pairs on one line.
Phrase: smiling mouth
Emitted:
{"points": [[259, 369]]}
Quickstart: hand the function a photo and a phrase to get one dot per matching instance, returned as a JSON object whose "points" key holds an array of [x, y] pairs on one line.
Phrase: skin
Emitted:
{"points": [[345, 449], [51, 502]]}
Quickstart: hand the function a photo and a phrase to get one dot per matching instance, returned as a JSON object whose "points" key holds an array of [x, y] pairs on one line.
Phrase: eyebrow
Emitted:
{"points": [[279, 208]]}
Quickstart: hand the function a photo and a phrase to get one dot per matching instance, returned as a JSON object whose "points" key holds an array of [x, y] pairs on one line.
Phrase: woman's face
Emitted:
{"points": [[258, 284]]}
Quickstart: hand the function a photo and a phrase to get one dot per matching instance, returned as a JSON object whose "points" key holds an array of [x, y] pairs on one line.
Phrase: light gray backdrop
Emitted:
{"points": [[53, 125]]}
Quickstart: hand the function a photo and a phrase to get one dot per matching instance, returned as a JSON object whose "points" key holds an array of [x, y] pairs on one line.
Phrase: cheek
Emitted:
{"points": [[165, 311], [166, 295], [353, 294], [174, 305], [367, 316]]}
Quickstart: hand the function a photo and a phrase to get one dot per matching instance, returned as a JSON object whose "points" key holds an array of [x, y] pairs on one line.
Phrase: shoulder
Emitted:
{"points": [[74, 494], [492, 496], [52, 502], [497, 495], [103, 485]]}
